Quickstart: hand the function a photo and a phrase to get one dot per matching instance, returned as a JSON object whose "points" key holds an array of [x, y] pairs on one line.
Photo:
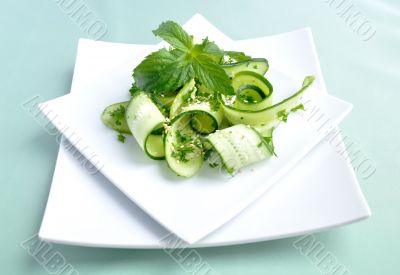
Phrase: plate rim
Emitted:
{"points": [[243, 209]]}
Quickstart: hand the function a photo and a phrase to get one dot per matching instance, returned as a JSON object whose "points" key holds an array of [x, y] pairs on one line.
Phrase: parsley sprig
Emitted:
{"points": [[168, 69]]}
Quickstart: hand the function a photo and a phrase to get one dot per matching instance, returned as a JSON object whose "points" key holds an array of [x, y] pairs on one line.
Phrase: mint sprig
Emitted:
{"points": [[167, 70], [175, 35]]}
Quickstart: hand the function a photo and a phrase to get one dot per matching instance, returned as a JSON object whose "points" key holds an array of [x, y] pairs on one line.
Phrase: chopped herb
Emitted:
{"points": [[203, 94], [181, 153], [298, 107], [184, 147], [247, 98], [233, 57], [134, 90], [118, 115], [283, 114], [188, 97], [121, 138], [215, 103]]}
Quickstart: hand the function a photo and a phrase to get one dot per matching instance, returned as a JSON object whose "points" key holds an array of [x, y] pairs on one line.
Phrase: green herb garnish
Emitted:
{"points": [[185, 146], [118, 115], [232, 57], [169, 69], [283, 114], [297, 108], [121, 138], [134, 90]]}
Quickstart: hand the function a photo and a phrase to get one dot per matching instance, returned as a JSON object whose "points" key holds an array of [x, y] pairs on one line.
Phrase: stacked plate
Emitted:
{"points": [[111, 195]]}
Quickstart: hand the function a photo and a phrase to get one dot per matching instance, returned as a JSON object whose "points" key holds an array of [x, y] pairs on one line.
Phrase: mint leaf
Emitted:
{"points": [[209, 49], [211, 75], [167, 70], [206, 58], [175, 35], [163, 71]]}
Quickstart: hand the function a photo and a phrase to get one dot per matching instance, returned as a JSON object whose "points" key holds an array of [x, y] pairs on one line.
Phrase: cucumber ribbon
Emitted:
{"points": [[237, 128]]}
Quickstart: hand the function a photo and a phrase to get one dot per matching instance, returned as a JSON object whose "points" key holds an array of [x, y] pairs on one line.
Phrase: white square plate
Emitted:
{"points": [[191, 208], [319, 193]]}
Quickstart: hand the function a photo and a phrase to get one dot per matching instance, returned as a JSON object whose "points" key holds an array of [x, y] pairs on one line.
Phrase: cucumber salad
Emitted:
{"points": [[194, 102]]}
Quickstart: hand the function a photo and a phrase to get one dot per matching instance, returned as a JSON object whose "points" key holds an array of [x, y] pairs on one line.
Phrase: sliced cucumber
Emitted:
{"points": [[182, 97], [183, 148], [268, 114], [204, 124], [258, 65], [189, 134], [266, 130], [163, 100], [143, 117], [253, 91], [187, 100], [238, 146], [206, 120], [154, 147], [109, 120]]}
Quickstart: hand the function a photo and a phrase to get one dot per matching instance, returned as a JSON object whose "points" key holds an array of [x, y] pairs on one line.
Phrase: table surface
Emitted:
{"points": [[38, 48]]}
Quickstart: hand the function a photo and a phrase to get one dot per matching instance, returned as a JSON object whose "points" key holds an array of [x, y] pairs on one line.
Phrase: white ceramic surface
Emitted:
{"points": [[200, 223]]}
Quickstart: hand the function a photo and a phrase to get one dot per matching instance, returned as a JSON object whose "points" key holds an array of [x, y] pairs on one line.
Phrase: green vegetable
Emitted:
{"points": [[239, 146], [114, 117], [257, 65], [233, 57], [144, 118], [195, 102], [253, 91], [190, 98], [133, 90], [283, 114], [167, 70], [121, 138], [266, 116], [183, 147], [174, 35], [118, 115]]}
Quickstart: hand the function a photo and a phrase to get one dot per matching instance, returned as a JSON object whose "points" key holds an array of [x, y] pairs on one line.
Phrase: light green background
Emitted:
{"points": [[37, 54]]}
